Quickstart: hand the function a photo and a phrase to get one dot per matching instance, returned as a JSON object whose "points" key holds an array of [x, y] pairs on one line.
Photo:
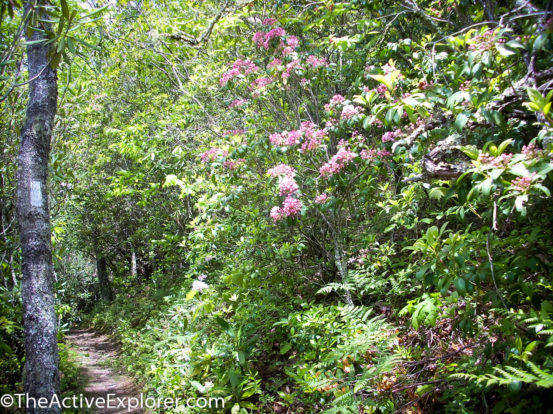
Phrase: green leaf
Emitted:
{"points": [[285, 347], [505, 51], [486, 186], [461, 120], [470, 151], [459, 283], [64, 9], [55, 61]]}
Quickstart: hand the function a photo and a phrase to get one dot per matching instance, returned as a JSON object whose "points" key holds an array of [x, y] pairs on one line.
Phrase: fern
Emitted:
{"points": [[511, 374], [350, 409], [361, 313], [335, 287]]}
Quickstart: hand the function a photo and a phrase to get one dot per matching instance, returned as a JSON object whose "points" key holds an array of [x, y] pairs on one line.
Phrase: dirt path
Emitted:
{"points": [[96, 355]]}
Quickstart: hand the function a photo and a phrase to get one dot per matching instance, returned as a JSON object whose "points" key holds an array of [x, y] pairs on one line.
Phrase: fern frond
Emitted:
{"points": [[510, 374]]}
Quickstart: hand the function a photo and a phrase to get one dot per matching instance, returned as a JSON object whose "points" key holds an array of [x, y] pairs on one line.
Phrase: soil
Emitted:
{"points": [[96, 356]]}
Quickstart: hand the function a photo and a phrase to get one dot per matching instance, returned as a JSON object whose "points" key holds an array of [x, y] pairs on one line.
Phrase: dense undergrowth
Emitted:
{"points": [[310, 206]]}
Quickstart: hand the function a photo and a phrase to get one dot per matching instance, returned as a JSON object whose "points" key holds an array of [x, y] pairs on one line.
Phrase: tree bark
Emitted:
{"points": [[39, 318], [103, 280]]}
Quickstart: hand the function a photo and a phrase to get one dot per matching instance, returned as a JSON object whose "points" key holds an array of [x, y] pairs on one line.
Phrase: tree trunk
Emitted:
{"points": [[103, 279], [39, 318]]}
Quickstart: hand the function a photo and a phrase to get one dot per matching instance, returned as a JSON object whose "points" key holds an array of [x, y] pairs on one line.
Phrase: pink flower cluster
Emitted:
{"points": [[292, 41], [349, 111], [199, 285], [282, 169], [500, 161], [391, 136], [260, 83], [321, 199], [523, 183], [316, 62], [336, 100], [531, 151], [231, 165], [289, 67], [290, 207], [212, 154], [240, 66], [238, 103], [234, 132], [262, 39], [486, 41], [368, 154], [308, 134], [342, 158], [288, 186], [274, 63], [269, 21], [371, 154]]}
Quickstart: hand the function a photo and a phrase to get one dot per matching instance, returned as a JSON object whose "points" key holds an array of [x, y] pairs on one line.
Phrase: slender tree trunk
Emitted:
{"points": [[133, 265], [103, 280], [39, 318]]}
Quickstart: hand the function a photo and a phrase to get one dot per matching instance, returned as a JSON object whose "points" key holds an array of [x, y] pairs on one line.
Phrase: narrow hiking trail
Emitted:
{"points": [[96, 354]]}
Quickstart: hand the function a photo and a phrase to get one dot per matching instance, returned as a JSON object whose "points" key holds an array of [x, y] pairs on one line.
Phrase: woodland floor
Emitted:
{"points": [[96, 355]]}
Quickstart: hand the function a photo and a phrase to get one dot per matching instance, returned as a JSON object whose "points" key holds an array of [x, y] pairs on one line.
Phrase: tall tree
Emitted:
{"points": [[41, 368]]}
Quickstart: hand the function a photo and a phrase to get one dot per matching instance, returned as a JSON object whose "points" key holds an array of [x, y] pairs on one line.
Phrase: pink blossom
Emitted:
{"points": [[228, 76], [247, 65], [287, 51], [531, 151], [337, 100], [231, 165], [277, 213], [287, 186], [269, 21], [304, 82], [293, 137], [369, 154], [523, 183], [387, 69], [350, 111], [316, 62], [292, 41], [271, 34], [238, 103], [342, 158], [274, 63], [281, 169], [331, 123], [381, 89], [390, 136], [293, 64], [199, 286], [260, 83], [276, 139], [211, 154], [383, 153], [234, 132], [500, 161], [313, 138], [321, 199], [258, 38], [291, 206]]}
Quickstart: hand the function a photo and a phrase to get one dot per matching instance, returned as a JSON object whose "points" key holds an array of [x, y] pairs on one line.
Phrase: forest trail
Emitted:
{"points": [[96, 353]]}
